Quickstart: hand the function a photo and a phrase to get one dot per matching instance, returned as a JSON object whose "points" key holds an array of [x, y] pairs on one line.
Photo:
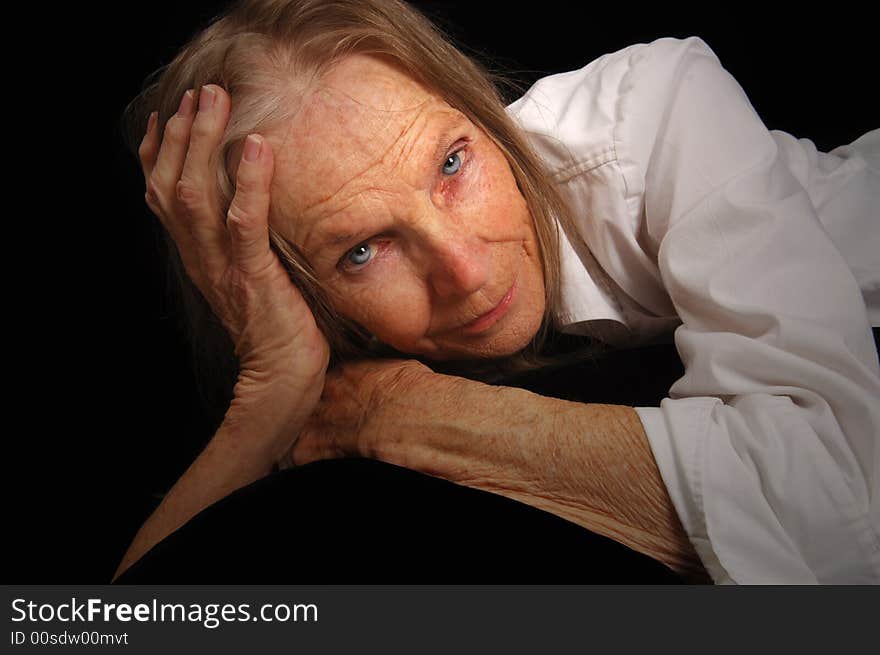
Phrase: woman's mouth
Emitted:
{"points": [[490, 318]]}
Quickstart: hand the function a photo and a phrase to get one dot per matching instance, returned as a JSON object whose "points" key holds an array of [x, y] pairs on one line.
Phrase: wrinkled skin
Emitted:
{"points": [[429, 245], [437, 242]]}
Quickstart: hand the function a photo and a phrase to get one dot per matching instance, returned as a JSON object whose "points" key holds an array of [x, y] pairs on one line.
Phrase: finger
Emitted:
{"points": [[162, 182], [147, 153], [248, 216], [196, 190], [161, 195], [149, 146]]}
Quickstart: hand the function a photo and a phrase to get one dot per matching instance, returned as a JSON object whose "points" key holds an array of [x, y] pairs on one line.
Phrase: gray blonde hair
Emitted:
{"points": [[265, 53]]}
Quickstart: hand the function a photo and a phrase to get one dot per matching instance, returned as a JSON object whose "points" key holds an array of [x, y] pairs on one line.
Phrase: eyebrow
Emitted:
{"points": [[334, 238]]}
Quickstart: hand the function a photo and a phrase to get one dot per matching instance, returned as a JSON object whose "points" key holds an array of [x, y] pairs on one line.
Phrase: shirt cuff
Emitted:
{"points": [[680, 464]]}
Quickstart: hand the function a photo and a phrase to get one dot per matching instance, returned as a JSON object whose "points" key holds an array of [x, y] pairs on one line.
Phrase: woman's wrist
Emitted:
{"points": [[267, 414]]}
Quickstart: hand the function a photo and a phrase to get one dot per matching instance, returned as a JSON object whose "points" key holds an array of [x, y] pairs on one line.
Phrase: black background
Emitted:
{"points": [[100, 416]]}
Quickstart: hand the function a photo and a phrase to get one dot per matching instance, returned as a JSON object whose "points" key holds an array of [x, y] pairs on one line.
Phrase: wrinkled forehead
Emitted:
{"points": [[363, 96], [347, 131], [374, 82]]}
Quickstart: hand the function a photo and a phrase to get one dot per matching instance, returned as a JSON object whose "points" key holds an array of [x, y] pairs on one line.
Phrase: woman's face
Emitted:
{"points": [[409, 214]]}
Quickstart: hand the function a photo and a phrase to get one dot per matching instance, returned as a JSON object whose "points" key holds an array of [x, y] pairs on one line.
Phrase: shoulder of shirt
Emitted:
{"points": [[573, 119]]}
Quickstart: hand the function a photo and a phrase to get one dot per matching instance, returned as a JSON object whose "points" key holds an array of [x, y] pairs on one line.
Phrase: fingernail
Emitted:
{"points": [[186, 104], [151, 121], [252, 146], [206, 98]]}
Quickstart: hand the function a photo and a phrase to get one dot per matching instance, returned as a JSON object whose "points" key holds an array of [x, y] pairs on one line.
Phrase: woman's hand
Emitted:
{"points": [[283, 356], [227, 256], [590, 464], [358, 411]]}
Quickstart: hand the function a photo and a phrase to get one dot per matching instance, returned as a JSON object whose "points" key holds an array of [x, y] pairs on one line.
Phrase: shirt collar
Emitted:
{"points": [[585, 290]]}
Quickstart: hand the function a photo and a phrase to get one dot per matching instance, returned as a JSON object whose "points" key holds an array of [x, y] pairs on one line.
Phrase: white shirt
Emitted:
{"points": [[763, 256]]}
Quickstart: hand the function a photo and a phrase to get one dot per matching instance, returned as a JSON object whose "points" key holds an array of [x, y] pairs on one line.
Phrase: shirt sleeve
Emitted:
{"points": [[768, 444]]}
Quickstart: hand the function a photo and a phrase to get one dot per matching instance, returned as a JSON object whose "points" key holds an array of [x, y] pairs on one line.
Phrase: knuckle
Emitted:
{"points": [[202, 128], [237, 218], [146, 149], [245, 185], [151, 200], [153, 186], [189, 193], [176, 129]]}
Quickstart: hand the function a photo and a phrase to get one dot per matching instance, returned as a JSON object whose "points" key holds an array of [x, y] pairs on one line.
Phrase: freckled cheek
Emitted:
{"points": [[392, 305], [490, 198]]}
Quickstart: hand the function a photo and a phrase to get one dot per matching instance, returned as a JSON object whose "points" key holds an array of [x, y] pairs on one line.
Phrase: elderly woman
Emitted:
{"points": [[340, 182]]}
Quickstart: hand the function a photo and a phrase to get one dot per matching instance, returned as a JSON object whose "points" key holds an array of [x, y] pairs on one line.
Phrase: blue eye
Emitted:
{"points": [[452, 164], [360, 254]]}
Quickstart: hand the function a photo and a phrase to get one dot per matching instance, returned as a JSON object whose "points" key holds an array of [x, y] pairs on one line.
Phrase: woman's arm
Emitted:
{"points": [[219, 470], [282, 354], [769, 442], [589, 464], [240, 453], [768, 445]]}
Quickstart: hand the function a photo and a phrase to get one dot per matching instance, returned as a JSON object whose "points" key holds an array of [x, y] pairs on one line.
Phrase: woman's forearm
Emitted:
{"points": [[590, 464], [231, 460]]}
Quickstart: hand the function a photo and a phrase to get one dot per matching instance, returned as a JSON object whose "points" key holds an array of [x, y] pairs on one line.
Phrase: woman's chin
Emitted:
{"points": [[507, 337], [491, 347]]}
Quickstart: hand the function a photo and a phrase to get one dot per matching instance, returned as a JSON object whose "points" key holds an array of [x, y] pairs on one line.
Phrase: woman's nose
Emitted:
{"points": [[459, 266], [455, 258]]}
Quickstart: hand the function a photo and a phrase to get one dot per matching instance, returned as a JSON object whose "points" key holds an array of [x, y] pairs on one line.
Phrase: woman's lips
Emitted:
{"points": [[491, 317]]}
